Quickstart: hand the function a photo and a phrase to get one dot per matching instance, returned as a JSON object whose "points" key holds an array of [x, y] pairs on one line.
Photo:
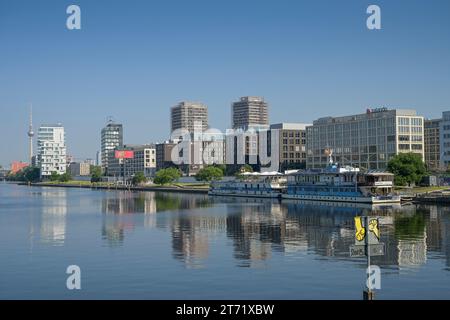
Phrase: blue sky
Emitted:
{"points": [[133, 60]]}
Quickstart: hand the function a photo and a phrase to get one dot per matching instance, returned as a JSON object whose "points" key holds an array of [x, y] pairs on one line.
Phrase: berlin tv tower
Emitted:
{"points": [[31, 135]]}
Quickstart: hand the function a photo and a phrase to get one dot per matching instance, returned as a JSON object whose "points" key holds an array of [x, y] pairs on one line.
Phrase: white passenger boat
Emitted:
{"points": [[251, 184], [345, 184]]}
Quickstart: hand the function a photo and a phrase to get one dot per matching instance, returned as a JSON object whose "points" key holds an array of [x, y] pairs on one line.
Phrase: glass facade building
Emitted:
{"points": [[367, 141]]}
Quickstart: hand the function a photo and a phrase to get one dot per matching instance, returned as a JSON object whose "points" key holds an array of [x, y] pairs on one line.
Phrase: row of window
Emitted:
{"points": [[298, 155]]}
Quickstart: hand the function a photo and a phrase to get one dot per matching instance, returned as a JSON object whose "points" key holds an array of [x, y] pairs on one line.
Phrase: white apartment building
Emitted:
{"points": [[51, 155], [367, 141]]}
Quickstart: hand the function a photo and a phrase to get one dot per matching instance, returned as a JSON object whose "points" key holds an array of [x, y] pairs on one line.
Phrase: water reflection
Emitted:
{"points": [[260, 228], [53, 218]]}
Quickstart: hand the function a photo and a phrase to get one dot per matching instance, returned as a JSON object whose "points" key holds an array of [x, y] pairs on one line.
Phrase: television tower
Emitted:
{"points": [[31, 135]]}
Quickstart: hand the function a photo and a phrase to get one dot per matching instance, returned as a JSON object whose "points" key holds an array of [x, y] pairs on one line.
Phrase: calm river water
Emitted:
{"points": [[145, 245]]}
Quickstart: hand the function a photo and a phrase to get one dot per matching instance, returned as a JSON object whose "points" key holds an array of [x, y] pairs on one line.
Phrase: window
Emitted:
{"points": [[403, 146], [403, 121]]}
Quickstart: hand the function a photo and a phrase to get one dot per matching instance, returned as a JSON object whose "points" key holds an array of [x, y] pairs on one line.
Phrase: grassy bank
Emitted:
{"points": [[175, 187], [417, 190]]}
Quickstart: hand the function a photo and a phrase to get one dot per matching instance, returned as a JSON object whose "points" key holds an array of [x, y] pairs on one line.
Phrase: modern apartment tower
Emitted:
{"points": [[367, 141], [51, 146], [250, 112], [432, 144], [112, 137], [191, 116]]}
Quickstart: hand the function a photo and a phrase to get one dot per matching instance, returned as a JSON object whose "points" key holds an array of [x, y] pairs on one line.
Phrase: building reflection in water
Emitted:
{"points": [[259, 228], [53, 217], [125, 210]]}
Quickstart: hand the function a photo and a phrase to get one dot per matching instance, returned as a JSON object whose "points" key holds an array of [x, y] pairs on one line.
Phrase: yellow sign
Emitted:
{"points": [[367, 230], [360, 230], [373, 227]]}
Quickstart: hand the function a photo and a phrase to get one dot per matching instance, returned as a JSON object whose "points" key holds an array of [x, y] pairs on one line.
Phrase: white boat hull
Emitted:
{"points": [[371, 200], [249, 194]]}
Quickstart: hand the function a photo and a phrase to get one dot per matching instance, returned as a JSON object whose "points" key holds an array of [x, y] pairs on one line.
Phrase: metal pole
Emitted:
{"points": [[368, 295]]}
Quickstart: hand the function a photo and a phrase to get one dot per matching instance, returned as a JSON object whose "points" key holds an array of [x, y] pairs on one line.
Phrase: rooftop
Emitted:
{"points": [[289, 126]]}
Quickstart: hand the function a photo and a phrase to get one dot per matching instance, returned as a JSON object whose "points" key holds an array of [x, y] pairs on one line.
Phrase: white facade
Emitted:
{"points": [[51, 150], [367, 141]]}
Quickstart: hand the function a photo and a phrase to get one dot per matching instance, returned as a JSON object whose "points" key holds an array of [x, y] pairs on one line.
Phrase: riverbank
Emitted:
{"points": [[427, 195], [184, 188]]}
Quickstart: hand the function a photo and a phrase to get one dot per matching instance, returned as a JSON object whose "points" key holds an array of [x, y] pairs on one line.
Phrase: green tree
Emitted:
{"points": [[28, 174], [139, 178], [65, 177], [221, 167], [96, 174], [166, 176], [408, 168], [54, 176], [209, 173], [246, 168]]}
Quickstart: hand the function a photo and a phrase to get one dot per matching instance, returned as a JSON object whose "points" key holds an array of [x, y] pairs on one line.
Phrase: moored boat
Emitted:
{"points": [[251, 184], [341, 183]]}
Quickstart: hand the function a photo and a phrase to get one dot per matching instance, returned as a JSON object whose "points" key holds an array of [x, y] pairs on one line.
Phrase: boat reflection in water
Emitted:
{"points": [[150, 245], [259, 228]]}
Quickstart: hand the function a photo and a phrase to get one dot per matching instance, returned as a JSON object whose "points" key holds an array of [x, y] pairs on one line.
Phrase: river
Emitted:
{"points": [[147, 245]]}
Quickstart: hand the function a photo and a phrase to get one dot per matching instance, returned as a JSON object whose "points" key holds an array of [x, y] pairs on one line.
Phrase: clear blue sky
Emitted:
{"points": [[133, 60]]}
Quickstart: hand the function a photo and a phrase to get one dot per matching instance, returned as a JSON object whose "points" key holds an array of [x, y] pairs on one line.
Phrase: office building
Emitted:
{"points": [[51, 150], [432, 144], [367, 141], [444, 140], [250, 112], [291, 145], [164, 155], [111, 138], [191, 116], [80, 169], [142, 158]]}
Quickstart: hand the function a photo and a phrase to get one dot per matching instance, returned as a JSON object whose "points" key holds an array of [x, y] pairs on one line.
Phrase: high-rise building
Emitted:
{"points": [[98, 160], [112, 137], [291, 145], [191, 116], [432, 144], [367, 141], [250, 112], [444, 140], [51, 150], [249, 118]]}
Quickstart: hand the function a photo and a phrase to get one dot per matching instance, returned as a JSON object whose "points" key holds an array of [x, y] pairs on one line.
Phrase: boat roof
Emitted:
{"points": [[378, 173], [264, 174]]}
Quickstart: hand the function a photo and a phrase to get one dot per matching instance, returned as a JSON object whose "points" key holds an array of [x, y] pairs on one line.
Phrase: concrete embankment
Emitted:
{"points": [[93, 187], [432, 199]]}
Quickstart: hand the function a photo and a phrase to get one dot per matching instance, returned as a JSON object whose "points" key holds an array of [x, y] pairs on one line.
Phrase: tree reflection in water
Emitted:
{"points": [[259, 228]]}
